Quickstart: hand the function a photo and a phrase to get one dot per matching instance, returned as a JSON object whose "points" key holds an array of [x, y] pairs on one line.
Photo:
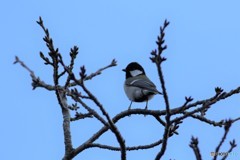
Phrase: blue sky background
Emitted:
{"points": [[203, 53]]}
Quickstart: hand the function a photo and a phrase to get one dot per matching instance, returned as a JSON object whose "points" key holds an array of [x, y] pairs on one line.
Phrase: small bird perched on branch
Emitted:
{"points": [[137, 86]]}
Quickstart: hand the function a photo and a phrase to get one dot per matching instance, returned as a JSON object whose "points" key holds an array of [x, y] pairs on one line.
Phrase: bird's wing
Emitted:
{"points": [[144, 83]]}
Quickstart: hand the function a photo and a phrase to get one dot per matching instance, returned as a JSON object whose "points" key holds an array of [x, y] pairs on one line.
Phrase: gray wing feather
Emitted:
{"points": [[144, 84]]}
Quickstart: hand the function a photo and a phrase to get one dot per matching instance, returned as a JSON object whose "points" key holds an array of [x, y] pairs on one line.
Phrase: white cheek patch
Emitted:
{"points": [[135, 72]]}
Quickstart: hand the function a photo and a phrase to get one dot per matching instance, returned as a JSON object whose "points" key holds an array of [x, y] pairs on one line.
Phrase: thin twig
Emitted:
{"points": [[94, 74], [36, 82], [79, 116], [212, 100], [232, 146], [208, 121], [90, 110], [226, 128], [194, 145]]}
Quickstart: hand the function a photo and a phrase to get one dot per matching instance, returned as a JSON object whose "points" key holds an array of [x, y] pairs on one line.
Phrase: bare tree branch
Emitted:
{"points": [[226, 128], [208, 121], [92, 75], [36, 82], [194, 145], [158, 59], [140, 147], [113, 128], [79, 116], [217, 97], [232, 146], [90, 110]]}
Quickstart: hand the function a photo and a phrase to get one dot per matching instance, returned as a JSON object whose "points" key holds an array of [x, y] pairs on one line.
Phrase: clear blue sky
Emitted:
{"points": [[203, 52]]}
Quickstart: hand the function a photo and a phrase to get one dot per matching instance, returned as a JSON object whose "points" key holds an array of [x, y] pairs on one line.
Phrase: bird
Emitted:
{"points": [[137, 86]]}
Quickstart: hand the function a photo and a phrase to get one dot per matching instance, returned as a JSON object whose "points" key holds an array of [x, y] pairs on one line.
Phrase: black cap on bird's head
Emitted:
{"points": [[133, 69]]}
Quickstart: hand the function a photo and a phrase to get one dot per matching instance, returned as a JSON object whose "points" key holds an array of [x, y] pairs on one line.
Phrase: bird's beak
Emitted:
{"points": [[124, 70]]}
